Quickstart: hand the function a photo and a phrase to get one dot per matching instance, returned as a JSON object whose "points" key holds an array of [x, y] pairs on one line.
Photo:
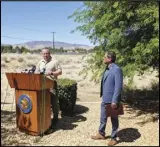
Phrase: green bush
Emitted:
{"points": [[67, 95]]}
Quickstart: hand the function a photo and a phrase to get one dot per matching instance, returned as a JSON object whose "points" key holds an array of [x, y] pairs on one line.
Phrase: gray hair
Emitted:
{"points": [[45, 49]]}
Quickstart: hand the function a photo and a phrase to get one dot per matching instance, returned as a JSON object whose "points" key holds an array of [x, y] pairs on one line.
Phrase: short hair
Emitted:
{"points": [[46, 49], [112, 55]]}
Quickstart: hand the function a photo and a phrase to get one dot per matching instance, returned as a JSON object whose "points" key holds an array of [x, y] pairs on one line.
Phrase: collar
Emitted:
{"points": [[111, 65]]}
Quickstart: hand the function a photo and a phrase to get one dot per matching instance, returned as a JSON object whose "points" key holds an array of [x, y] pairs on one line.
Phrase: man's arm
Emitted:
{"points": [[118, 85], [57, 72], [54, 73]]}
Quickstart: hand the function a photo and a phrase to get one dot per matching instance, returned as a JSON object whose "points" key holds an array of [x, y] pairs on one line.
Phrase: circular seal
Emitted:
{"points": [[24, 103]]}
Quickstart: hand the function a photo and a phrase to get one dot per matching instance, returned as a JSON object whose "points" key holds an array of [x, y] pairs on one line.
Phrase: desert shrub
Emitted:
{"points": [[20, 59], [12, 57], [30, 63], [3, 64], [67, 95], [5, 59], [145, 99], [149, 93]]}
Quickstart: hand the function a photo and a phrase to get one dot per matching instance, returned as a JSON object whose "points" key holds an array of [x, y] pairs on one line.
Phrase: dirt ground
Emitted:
{"points": [[134, 130]]}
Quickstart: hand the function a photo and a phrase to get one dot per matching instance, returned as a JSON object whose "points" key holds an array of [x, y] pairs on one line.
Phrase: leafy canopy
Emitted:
{"points": [[130, 28]]}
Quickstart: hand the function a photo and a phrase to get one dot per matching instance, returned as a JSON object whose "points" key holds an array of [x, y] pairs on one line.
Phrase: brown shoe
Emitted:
{"points": [[98, 136], [112, 142]]}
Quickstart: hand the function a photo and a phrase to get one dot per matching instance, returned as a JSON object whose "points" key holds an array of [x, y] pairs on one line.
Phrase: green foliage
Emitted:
{"points": [[7, 49], [146, 99], [66, 82], [95, 61], [130, 28], [62, 50], [80, 50], [10, 49], [24, 50], [67, 94], [17, 49]]}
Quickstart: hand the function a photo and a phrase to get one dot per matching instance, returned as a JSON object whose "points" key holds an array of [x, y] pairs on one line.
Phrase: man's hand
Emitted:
{"points": [[49, 73], [114, 105], [54, 73]]}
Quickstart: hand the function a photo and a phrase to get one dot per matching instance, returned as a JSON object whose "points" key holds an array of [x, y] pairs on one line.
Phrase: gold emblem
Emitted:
{"points": [[24, 103]]}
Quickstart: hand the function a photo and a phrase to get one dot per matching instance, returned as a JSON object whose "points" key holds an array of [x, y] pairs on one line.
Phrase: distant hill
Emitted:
{"points": [[5, 44], [41, 44]]}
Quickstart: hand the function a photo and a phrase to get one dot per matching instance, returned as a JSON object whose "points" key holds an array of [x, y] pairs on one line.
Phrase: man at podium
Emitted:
{"points": [[52, 69]]}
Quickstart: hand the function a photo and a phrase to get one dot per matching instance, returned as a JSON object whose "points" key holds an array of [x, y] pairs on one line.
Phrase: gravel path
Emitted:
{"points": [[135, 129], [76, 131]]}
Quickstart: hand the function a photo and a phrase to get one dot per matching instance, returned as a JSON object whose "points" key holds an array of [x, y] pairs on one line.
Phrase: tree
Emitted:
{"points": [[2, 48], [130, 28], [61, 49], [24, 50], [18, 50], [7, 49]]}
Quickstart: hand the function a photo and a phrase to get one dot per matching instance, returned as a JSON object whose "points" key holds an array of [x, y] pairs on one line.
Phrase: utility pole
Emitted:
{"points": [[53, 41]]}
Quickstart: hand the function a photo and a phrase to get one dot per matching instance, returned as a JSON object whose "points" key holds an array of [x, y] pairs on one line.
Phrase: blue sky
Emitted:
{"points": [[34, 21]]}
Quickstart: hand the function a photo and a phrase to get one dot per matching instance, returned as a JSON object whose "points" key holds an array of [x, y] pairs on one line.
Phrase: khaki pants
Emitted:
{"points": [[54, 104]]}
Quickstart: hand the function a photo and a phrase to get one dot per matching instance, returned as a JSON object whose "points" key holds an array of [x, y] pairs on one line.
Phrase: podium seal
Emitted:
{"points": [[24, 103]]}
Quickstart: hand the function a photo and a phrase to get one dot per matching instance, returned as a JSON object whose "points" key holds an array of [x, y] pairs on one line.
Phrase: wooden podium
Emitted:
{"points": [[33, 111]]}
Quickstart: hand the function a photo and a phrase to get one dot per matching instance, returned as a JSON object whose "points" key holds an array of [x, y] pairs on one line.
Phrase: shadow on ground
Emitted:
{"points": [[145, 100], [9, 132], [67, 122], [7, 116], [9, 137], [128, 135]]}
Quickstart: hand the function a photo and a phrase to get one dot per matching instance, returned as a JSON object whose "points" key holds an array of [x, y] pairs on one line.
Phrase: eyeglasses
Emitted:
{"points": [[107, 56]]}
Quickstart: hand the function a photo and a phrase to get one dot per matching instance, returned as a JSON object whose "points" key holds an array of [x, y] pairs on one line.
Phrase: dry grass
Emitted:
{"points": [[12, 57], [30, 63], [135, 129], [3, 57], [3, 64], [20, 59], [6, 59]]}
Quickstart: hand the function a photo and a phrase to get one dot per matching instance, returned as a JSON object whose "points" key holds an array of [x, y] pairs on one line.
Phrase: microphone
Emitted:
{"points": [[43, 71], [32, 70], [24, 71]]}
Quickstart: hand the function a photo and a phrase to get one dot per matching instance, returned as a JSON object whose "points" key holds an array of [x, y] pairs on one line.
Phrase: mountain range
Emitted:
{"points": [[32, 45]]}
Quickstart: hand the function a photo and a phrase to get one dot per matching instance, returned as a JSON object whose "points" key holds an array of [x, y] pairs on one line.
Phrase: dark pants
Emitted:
{"points": [[54, 105], [103, 121]]}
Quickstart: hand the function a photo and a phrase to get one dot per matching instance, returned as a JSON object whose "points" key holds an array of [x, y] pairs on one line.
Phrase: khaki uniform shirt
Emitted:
{"points": [[50, 66]]}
